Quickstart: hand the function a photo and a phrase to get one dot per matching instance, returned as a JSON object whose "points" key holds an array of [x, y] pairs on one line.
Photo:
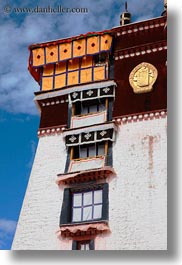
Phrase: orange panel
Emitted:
{"points": [[61, 68], [93, 45], [99, 73], [73, 64], [79, 47], [65, 51], [47, 83], [48, 70], [60, 81], [38, 56], [52, 54], [86, 61], [106, 41], [86, 75], [72, 78]]}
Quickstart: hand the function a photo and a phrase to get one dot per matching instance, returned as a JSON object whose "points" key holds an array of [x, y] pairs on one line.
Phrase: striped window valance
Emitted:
{"points": [[90, 137], [106, 91]]}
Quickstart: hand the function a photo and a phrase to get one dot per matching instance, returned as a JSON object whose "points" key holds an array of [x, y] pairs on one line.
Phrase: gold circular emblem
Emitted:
{"points": [[142, 78]]}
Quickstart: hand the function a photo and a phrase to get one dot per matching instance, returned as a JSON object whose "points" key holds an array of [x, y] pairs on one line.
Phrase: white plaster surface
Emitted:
{"points": [[39, 217], [138, 195]]}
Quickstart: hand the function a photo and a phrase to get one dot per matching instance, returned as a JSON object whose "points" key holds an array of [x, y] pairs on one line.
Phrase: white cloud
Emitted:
{"points": [[7, 229], [18, 32], [7, 226]]}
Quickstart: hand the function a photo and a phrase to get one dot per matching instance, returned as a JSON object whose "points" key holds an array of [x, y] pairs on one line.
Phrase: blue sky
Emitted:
{"points": [[19, 119]]}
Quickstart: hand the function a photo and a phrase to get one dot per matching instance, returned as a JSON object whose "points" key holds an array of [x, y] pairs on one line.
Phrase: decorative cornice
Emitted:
{"points": [[52, 102], [85, 176], [90, 128], [83, 229], [139, 27], [51, 130], [140, 50], [151, 115], [135, 117], [51, 95]]}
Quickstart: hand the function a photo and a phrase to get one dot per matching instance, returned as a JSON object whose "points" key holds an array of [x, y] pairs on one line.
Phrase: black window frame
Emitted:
{"points": [[66, 210], [76, 244]]}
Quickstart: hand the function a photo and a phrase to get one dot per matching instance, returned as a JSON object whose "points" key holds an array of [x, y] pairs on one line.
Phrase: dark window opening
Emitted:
{"points": [[90, 150], [100, 58], [83, 245], [90, 106]]}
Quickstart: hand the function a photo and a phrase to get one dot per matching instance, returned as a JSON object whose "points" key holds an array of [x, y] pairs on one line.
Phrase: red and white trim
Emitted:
{"points": [[83, 229], [158, 114], [140, 28], [51, 130], [150, 115], [142, 50]]}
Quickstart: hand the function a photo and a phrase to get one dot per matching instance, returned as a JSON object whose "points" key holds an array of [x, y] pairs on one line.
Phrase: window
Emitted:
{"points": [[90, 150], [80, 152], [100, 59], [90, 106], [83, 245], [87, 206]]}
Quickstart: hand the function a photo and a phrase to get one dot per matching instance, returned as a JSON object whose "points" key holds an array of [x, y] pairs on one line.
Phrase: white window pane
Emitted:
{"points": [[83, 152], [97, 196], [97, 211], [87, 198], [92, 150], [82, 247], [101, 149], [93, 108], [76, 215], [87, 213], [77, 199], [87, 247]]}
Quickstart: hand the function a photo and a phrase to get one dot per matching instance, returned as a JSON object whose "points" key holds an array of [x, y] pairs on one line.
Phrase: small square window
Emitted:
{"points": [[83, 245], [100, 58]]}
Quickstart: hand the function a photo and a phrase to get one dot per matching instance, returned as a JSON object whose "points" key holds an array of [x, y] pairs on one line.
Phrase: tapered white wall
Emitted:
{"points": [[39, 217]]}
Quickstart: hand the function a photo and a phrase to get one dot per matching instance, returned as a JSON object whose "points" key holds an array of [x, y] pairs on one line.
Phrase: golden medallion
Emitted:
{"points": [[142, 78]]}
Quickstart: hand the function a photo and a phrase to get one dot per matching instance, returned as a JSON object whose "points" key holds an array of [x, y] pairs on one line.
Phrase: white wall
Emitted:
{"points": [[39, 218], [138, 195]]}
